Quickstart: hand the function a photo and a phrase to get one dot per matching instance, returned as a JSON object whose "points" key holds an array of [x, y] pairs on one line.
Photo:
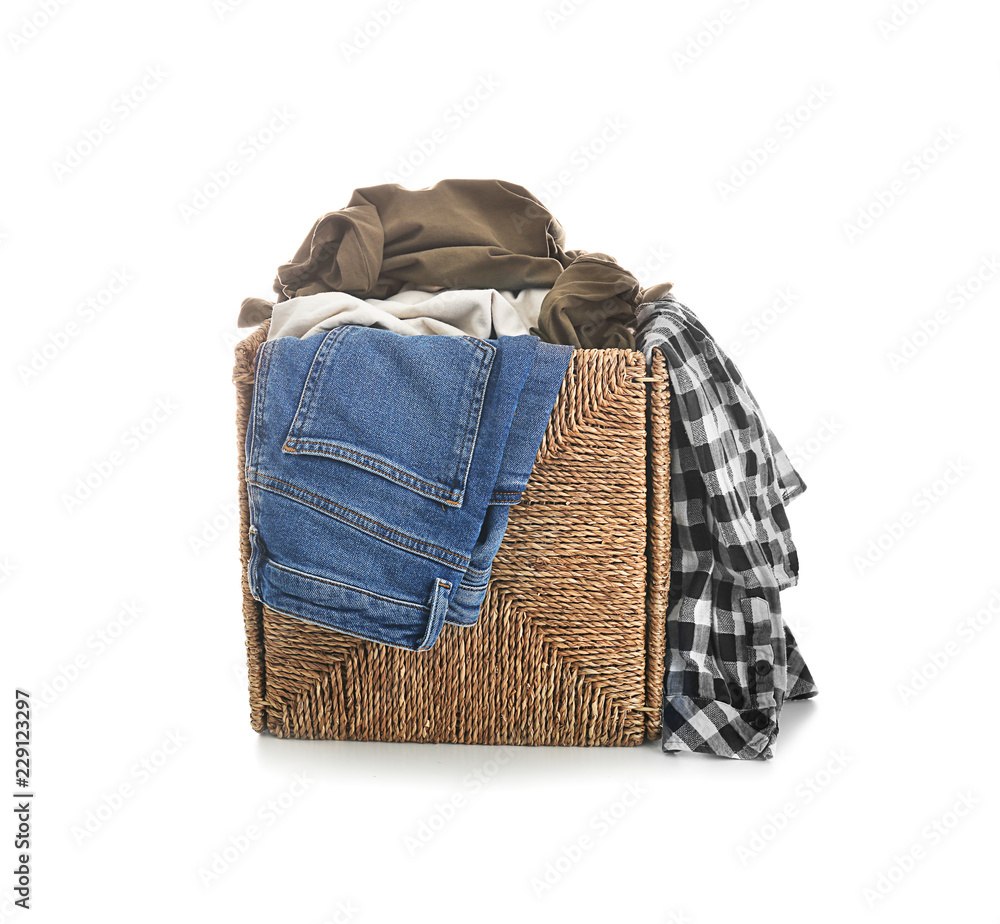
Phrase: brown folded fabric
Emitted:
{"points": [[654, 292], [472, 234], [253, 311], [459, 234], [590, 305]]}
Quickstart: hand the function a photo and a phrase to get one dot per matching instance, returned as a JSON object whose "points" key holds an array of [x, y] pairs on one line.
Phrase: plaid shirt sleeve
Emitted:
{"points": [[732, 661]]}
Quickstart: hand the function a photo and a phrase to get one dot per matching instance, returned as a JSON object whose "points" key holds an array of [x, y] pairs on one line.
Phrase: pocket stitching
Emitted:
{"points": [[343, 451], [338, 450]]}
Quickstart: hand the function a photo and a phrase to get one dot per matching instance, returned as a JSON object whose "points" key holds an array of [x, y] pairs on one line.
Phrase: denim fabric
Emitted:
{"points": [[531, 417], [380, 470]]}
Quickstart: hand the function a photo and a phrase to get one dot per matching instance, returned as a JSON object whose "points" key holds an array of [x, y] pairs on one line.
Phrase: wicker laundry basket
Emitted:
{"points": [[569, 647]]}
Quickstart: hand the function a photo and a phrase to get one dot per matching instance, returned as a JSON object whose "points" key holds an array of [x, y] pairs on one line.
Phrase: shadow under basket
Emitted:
{"points": [[569, 647]]}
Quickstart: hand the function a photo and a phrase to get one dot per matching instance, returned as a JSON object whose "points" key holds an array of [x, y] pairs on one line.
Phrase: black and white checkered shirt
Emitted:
{"points": [[731, 660]]}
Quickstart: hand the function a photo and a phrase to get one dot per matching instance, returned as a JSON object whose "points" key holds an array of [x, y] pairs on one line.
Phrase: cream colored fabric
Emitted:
{"points": [[483, 313]]}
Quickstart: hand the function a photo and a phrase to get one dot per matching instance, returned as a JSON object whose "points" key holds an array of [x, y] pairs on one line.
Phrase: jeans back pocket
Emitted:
{"points": [[406, 408]]}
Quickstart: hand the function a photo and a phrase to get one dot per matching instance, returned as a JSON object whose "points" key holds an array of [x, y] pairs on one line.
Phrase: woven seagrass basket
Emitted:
{"points": [[569, 647]]}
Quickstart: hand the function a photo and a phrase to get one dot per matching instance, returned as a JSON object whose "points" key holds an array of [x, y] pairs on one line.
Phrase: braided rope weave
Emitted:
{"points": [[569, 647]]}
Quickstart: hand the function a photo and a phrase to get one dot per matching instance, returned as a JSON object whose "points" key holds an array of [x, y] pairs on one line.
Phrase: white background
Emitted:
{"points": [[624, 117]]}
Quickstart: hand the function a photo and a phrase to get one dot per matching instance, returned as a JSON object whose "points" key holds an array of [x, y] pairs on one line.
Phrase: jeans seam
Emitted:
{"points": [[478, 402], [435, 625], [353, 634], [419, 542], [351, 587]]}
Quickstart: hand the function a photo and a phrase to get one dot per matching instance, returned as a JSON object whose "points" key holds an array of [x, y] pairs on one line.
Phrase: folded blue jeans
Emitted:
{"points": [[381, 469]]}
